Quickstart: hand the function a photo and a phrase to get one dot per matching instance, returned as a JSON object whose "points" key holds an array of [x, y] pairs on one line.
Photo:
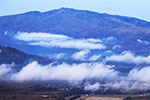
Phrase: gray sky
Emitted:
{"points": [[134, 8]]}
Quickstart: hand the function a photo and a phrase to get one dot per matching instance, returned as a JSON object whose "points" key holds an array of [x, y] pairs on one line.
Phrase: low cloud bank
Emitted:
{"points": [[4, 69], [92, 87], [128, 57], [88, 72], [62, 41], [60, 56], [81, 55], [138, 79], [75, 72], [38, 36], [141, 75], [95, 57]]}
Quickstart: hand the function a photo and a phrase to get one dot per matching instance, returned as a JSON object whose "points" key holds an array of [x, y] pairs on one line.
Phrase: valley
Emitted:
{"points": [[69, 54]]}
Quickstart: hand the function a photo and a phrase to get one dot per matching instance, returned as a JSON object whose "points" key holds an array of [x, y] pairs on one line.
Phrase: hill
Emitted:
{"points": [[73, 22], [9, 55], [131, 34]]}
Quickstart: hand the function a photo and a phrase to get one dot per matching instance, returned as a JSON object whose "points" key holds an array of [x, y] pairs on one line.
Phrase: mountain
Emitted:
{"points": [[9, 55], [131, 34], [74, 23]]}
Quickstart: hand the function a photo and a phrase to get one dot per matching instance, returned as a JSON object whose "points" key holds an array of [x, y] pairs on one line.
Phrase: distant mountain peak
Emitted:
{"points": [[74, 23], [61, 10], [65, 8], [33, 12]]}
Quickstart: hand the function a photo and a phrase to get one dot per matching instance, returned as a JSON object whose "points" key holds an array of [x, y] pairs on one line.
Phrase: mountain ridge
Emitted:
{"points": [[9, 55], [72, 22], [131, 34], [65, 8]]}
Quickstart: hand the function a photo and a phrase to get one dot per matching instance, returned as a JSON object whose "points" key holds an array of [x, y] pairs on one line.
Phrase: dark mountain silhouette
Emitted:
{"points": [[9, 55], [75, 23]]}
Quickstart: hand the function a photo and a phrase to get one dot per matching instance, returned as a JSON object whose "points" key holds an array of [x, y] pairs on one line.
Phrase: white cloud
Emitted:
{"points": [[32, 71], [6, 32], [144, 42], [38, 36], [93, 87], [75, 72], [108, 51], [4, 69], [81, 55], [94, 40], [95, 57], [117, 46], [128, 57], [109, 39], [142, 75], [60, 55], [62, 41], [69, 44], [139, 40], [78, 73], [136, 79]]}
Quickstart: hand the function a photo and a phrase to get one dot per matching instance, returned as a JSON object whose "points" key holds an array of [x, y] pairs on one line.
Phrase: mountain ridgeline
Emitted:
{"points": [[9, 55], [78, 52], [132, 34], [75, 23]]}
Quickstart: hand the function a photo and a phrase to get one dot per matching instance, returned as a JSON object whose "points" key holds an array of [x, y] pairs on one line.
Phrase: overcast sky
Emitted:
{"points": [[134, 8]]}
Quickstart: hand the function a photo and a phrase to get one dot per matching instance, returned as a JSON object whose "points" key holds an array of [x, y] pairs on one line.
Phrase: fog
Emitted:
{"points": [[81, 55], [78, 73], [95, 57], [92, 69], [62, 41], [74, 72], [129, 57]]}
